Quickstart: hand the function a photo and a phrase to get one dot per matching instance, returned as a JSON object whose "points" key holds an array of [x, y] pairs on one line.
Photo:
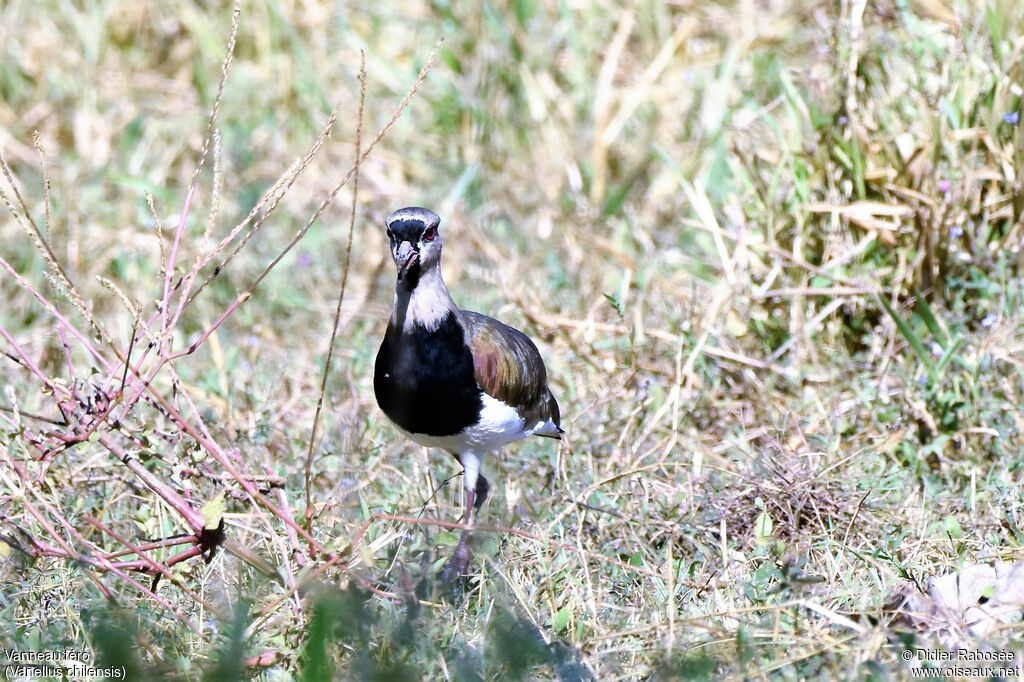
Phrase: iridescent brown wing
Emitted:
{"points": [[508, 367]]}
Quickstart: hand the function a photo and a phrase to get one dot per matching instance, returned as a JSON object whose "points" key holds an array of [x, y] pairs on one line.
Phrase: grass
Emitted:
{"points": [[770, 252]]}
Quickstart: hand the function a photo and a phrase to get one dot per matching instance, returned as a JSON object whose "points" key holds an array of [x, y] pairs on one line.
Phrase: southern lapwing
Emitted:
{"points": [[454, 379]]}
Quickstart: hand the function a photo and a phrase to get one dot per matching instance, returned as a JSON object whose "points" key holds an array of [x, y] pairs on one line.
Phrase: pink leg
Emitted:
{"points": [[459, 561]]}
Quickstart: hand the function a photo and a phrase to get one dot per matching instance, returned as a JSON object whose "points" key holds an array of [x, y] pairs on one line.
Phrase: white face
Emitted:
{"points": [[430, 247], [414, 247]]}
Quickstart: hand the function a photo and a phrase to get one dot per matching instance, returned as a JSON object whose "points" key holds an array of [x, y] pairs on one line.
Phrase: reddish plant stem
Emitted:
{"points": [[193, 519], [263, 660], [44, 522], [152, 566], [104, 565], [159, 544], [29, 364], [24, 284], [217, 453]]}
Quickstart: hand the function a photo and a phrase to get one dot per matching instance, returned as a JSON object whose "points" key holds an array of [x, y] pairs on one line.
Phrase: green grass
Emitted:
{"points": [[770, 252]]}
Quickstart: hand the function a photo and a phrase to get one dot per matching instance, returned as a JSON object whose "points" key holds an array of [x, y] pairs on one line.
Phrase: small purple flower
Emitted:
{"points": [[1011, 118], [304, 260], [955, 231], [988, 320], [944, 186], [936, 349], [843, 120]]}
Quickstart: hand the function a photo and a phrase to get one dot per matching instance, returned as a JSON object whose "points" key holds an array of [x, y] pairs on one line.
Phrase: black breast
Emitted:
{"points": [[424, 380]]}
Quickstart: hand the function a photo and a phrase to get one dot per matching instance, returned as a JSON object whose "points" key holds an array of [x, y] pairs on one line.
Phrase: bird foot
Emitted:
{"points": [[455, 568]]}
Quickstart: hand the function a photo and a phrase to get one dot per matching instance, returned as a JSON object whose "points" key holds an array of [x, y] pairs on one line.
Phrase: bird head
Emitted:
{"points": [[415, 242]]}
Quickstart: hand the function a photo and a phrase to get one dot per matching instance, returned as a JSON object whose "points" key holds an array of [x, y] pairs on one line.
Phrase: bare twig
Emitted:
{"points": [[341, 291], [248, 292], [207, 138]]}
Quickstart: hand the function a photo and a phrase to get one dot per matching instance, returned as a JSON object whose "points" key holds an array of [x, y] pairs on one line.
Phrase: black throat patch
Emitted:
{"points": [[424, 380], [412, 276]]}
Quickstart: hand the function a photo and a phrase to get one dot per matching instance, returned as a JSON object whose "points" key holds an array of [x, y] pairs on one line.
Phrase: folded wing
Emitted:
{"points": [[508, 367]]}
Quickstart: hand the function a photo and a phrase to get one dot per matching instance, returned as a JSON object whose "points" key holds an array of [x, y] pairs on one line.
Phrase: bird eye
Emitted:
{"points": [[430, 234]]}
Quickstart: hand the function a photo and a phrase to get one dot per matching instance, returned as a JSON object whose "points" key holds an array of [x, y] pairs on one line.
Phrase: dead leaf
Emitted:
{"points": [[967, 605]]}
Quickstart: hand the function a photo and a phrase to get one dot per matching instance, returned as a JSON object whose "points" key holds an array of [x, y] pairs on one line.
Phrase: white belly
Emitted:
{"points": [[499, 425]]}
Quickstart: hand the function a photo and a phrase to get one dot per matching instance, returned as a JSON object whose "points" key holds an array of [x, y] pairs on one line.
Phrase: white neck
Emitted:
{"points": [[426, 305]]}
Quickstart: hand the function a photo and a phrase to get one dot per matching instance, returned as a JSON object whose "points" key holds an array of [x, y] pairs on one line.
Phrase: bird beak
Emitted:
{"points": [[406, 255]]}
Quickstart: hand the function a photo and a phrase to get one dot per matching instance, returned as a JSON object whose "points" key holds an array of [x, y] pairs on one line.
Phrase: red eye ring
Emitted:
{"points": [[430, 234]]}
